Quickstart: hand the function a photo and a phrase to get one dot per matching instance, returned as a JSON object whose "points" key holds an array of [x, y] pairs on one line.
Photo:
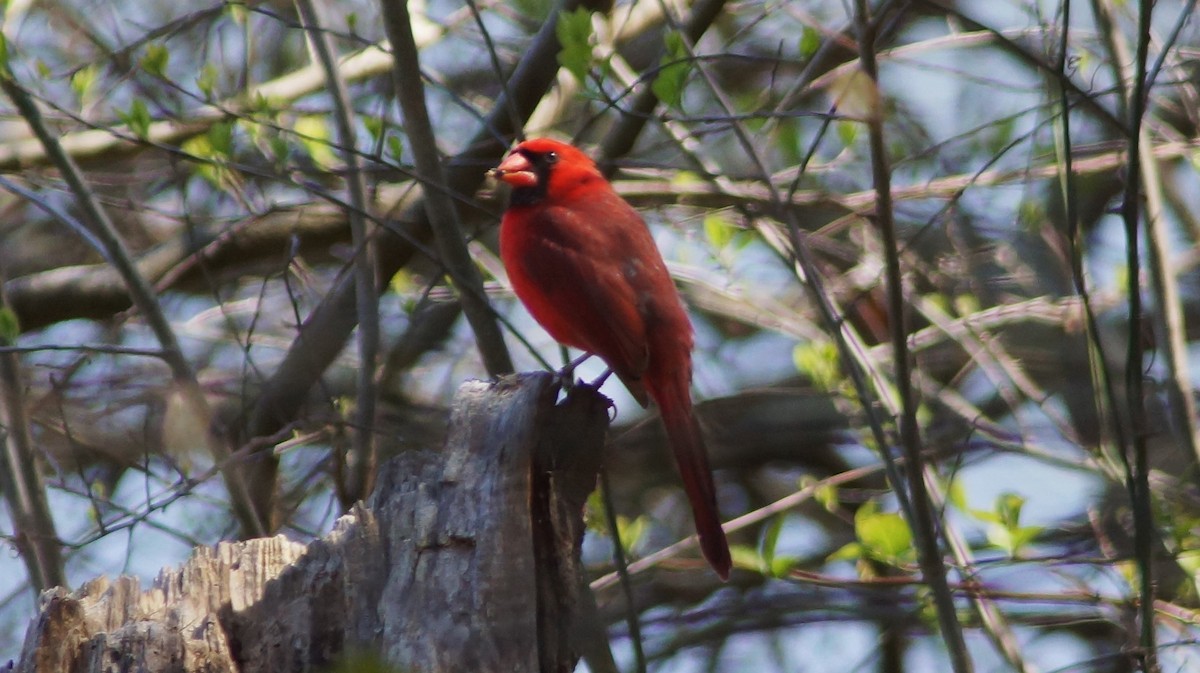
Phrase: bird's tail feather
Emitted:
{"points": [[683, 434]]}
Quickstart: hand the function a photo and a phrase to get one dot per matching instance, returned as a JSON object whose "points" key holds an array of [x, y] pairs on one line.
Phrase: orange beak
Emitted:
{"points": [[516, 170]]}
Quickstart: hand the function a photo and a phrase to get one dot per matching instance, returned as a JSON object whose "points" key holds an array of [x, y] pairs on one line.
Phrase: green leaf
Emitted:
{"points": [[156, 58], [851, 551], [789, 141], [745, 556], [1004, 525], [574, 31], [966, 304], [771, 539], [1008, 509], [395, 148], [1024, 536], [673, 74], [1030, 214], [685, 178], [207, 80], [280, 150], [1120, 273], [220, 138], [847, 131], [781, 566], [957, 495], [927, 611], [924, 415], [137, 118], [403, 284], [819, 361], [10, 327], [825, 493], [374, 125], [262, 105], [83, 81], [1001, 134], [1012, 540], [941, 301], [718, 230], [3, 54], [884, 535], [810, 41], [210, 165], [631, 531], [1189, 561], [593, 510], [771, 563], [314, 136]]}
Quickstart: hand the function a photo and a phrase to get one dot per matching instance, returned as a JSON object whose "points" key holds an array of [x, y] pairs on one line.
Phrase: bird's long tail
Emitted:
{"points": [[674, 401]]}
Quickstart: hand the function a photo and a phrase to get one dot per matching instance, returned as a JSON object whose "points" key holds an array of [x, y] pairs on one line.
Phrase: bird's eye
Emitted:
{"points": [[552, 157]]}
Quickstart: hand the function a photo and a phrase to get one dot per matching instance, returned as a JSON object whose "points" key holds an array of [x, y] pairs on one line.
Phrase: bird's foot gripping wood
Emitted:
{"points": [[569, 385], [566, 375], [567, 381]]}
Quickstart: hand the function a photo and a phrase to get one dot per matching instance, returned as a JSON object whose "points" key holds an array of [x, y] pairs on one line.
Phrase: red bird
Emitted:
{"points": [[583, 262]]}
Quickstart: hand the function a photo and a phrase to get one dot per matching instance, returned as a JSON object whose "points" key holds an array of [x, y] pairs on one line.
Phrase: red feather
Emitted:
{"points": [[583, 262]]}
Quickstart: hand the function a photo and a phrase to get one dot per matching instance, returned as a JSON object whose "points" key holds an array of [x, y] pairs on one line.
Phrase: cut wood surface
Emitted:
{"points": [[465, 559]]}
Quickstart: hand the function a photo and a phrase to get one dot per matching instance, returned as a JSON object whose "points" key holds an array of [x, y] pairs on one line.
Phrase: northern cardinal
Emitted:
{"points": [[583, 262]]}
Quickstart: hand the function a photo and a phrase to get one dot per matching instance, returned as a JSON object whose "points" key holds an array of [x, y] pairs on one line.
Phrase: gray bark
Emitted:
{"points": [[461, 560]]}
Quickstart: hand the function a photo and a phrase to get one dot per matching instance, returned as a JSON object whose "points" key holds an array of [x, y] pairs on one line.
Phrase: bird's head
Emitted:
{"points": [[540, 166]]}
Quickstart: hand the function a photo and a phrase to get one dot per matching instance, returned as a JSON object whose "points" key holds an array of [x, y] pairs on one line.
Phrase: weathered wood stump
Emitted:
{"points": [[465, 559]]}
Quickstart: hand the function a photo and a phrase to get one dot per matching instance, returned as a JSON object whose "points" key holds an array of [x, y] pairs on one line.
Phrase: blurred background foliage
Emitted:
{"points": [[209, 136]]}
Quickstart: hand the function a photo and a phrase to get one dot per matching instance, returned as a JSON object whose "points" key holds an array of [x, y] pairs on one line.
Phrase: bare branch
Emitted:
{"points": [[21, 483], [362, 459], [439, 207], [923, 520]]}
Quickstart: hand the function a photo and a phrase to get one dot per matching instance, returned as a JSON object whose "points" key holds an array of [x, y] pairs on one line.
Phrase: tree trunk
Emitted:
{"points": [[461, 560]]}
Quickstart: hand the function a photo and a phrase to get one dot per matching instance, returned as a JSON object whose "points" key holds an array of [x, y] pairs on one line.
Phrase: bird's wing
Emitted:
{"points": [[580, 279]]}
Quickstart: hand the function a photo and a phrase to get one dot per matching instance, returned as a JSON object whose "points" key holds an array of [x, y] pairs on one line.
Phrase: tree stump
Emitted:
{"points": [[465, 559]]}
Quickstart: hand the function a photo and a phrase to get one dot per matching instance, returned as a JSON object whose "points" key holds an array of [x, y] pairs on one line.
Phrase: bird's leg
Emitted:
{"points": [[568, 372], [566, 375]]}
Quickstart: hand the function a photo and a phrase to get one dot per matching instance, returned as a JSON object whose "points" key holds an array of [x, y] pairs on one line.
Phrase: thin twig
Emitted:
{"points": [[1106, 399], [622, 564], [923, 520], [34, 533], [1169, 323], [362, 459], [784, 504], [440, 208], [1168, 320], [1138, 482], [509, 107]]}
